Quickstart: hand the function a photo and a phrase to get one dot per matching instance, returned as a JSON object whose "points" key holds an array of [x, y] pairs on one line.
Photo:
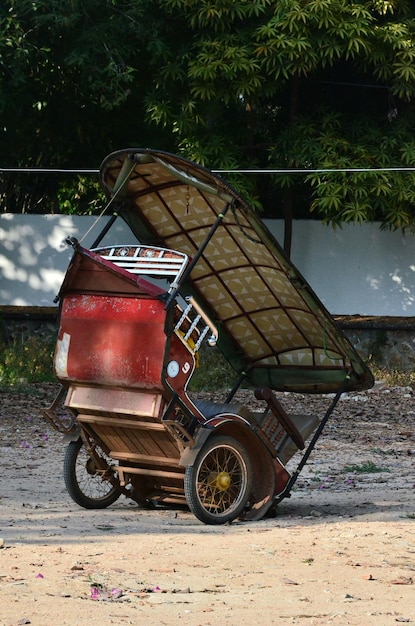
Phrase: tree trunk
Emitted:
{"points": [[288, 197]]}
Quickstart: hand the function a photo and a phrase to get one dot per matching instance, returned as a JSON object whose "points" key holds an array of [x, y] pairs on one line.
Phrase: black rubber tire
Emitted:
{"points": [[84, 485], [218, 485]]}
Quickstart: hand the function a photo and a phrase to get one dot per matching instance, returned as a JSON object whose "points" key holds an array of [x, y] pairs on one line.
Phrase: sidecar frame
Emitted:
{"points": [[129, 343]]}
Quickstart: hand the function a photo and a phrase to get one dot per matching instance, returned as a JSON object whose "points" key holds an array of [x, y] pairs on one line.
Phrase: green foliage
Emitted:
{"points": [[368, 467], [353, 196], [214, 372], [72, 79], [83, 196], [314, 84], [394, 378], [27, 360], [284, 55]]}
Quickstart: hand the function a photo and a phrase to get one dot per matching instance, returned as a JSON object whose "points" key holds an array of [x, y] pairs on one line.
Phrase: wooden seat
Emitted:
{"points": [[306, 424]]}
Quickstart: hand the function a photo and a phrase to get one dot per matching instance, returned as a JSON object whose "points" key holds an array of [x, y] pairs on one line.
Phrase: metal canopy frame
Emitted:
{"points": [[273, 329]]}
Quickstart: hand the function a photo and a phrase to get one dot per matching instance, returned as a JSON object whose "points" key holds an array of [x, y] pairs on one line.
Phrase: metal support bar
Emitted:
{"points": [[197, 256], [202, 336], [117, 192], [104, 231], [313, 442], [183, 316], [235, 387], [192, 327]]}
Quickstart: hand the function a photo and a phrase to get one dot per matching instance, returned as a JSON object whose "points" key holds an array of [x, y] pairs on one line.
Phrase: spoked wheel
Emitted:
{"points": [[218, 484], [84, 481]]}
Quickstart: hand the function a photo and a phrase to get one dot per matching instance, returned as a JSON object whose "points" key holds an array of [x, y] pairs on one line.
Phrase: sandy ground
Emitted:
{"points": [[340, 551]]}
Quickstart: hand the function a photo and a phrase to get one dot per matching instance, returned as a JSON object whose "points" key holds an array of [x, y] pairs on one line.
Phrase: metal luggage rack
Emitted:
{"points": [[147, 260]]}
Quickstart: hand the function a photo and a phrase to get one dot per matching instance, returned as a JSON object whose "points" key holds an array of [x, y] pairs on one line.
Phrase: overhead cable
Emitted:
{"points": [[347, 170]]}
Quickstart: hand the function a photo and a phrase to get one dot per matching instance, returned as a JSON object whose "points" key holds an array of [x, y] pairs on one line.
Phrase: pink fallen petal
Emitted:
{"points": [[288, 581]]}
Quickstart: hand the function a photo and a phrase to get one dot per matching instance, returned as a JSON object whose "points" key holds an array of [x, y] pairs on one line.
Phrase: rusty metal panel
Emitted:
{"points": [[113, 341]]}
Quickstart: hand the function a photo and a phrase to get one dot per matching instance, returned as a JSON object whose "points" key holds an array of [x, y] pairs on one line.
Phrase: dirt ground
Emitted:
{"points": [[340, 551]]}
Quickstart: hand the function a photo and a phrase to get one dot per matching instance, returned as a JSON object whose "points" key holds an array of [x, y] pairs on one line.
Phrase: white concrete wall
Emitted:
{"points": [[358, 269], [34, 257], [354, 270]]}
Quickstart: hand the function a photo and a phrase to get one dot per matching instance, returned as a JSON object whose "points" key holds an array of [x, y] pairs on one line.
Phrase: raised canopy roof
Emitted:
{"points": [[271, 324]]}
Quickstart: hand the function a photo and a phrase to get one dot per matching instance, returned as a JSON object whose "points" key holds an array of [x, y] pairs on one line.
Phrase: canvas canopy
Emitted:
{"points": [[273, 329]]}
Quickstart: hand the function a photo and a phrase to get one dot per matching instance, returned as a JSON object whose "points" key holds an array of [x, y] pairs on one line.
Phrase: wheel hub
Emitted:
{"points": [[223, 481], [91, 467]]}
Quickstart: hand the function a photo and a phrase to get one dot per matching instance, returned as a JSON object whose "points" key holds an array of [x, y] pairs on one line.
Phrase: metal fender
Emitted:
{"points": [[203, 433], [72, 436], [190, 453]]}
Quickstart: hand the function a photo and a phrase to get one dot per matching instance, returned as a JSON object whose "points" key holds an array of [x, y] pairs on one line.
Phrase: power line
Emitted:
{"points": [[319, 171], [347, 170], [42, 170]]}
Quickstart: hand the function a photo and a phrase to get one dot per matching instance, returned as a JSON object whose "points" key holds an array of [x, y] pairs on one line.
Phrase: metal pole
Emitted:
{"points": [[197, 256], [313, 442]]}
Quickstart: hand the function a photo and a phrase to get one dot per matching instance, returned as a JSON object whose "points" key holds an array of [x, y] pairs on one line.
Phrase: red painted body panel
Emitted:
{"points": [[111, 340]]}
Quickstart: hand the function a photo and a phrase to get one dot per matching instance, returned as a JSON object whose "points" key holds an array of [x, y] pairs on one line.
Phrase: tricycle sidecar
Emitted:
{"points": [[203, 269]]}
